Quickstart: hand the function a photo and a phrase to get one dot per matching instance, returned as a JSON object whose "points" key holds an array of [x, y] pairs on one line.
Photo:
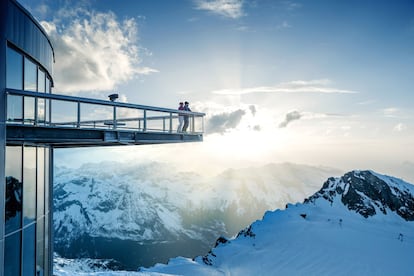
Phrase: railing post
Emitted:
{"points": [[78, 116], [202, 124], [145, 120], [171, 122], [193, 123], [35, 110], [163, 124], [50, 111], [114, 117]]}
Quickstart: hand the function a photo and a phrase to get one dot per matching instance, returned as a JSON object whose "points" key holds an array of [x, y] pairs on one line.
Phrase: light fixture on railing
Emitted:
{"points": [[113, 97]]}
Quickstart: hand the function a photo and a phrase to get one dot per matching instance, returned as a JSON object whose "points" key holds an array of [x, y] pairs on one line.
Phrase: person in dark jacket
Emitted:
{"points": [[186, 116]]}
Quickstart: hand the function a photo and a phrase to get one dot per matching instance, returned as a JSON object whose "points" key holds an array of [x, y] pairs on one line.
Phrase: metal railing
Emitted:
{"points": [[54, 110]]}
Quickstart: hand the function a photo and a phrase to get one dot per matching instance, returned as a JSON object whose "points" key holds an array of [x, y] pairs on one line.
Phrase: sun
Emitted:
{"points": [[245, 144]]}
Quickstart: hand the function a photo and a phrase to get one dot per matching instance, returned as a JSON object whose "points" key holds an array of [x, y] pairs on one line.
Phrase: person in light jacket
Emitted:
{"points": [[180, 118]]}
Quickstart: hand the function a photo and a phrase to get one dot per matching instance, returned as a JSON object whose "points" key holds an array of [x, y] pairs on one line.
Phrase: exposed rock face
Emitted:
{"points": [[364, 193], [367, 193]]}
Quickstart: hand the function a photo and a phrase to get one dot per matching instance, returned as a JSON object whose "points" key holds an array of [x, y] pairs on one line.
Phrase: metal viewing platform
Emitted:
{"points": [[66, 121]]}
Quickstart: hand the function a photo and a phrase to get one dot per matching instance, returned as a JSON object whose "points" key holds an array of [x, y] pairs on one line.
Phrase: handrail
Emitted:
{"points": [[131, 119], [97, 101], [114, 122]]}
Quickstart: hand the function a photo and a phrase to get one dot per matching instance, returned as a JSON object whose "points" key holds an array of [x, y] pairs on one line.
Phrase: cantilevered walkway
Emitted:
{"points": [[66, 121]]}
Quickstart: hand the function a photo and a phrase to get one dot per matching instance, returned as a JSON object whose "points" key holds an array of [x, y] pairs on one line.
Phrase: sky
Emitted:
{"points": [[324, 83]]}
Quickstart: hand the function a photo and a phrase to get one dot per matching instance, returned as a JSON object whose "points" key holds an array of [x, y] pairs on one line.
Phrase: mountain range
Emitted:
{"points": [[140, 215], [361, 223]]}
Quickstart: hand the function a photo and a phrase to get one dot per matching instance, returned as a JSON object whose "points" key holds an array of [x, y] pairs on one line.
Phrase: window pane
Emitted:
{"points": [[30, 75], [64, 112], [47, 111], [40, 257], [41, 86], [12, 255], [14, 191], [47, 183], [14, 108], [14, 70], [47, 85], [29, 110], [29, 185], [29, 250], [46, 254], [41, 108], [40, 182]]}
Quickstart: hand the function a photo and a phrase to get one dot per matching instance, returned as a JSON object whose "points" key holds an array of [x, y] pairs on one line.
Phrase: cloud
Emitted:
{"points": [[42, 10], [400, 127], [291, 116], [296, 115], [243, 28], [292, 5], [226, 8], [253, 109], [93, 50], [257, 128], [283, 25], [299, 86], [222, 122], [390, 112]]}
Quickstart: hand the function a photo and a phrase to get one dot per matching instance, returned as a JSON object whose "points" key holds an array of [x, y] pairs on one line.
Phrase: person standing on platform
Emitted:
{"points": [[186, 116], [180, 118]]}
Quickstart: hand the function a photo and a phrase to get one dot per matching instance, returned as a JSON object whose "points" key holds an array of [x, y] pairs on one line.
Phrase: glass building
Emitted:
{"points": [[26, 64], [33, 122]]}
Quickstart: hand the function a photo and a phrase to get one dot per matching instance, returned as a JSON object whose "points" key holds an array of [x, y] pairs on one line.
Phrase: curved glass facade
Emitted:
{"points": [[23, 73], [23, 31], [25, 244], [26, 214]]}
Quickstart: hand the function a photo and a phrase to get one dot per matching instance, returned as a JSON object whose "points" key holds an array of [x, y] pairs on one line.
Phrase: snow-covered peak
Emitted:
{"points": [[369, 193], [329, 234]]}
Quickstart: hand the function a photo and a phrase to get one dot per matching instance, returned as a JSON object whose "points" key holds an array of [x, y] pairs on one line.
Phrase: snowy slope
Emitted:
{"points": [[335, 232], [154, 203]]}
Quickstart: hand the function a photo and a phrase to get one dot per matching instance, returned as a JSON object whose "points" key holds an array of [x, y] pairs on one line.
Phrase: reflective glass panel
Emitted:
{"points": [[14, 191], [41, 110], [41, 81], [47, 85], [14, 70], [30, 75], [40, 246], [47, 212], [29, 250], [47, 111], [40, 182], [29, 110], [47, 183], [47, 256], [12, 254], [64, 112], [14, 108], [29, 185]]}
